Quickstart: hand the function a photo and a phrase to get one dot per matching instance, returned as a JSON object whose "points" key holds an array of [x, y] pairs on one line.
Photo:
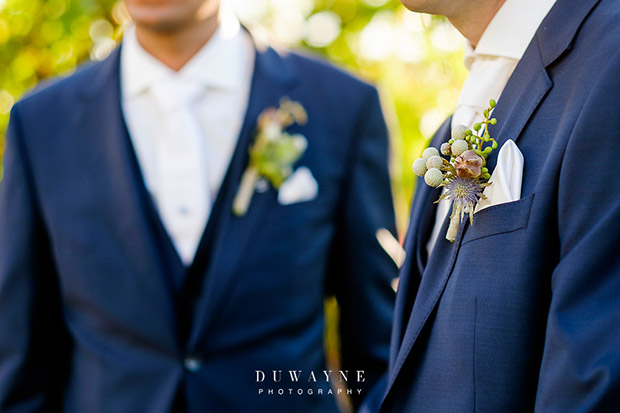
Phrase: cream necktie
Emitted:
{"points": [[182, 198]]}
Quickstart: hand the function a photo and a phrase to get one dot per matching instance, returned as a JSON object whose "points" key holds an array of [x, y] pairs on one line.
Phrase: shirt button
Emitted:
{"points": [[192, 364]]}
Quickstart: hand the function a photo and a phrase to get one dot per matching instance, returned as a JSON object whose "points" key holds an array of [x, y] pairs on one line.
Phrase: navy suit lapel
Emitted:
{"points": [[422, 208], [434, 280], [530, 82], [557, 32], [426, 227], [526, 88], [408, 284], [272, 80], [123, 193]]}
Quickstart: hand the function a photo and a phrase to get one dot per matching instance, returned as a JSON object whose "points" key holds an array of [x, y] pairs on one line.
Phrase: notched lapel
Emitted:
{"points": [[527, 87], [530, 82], [557, 32]]}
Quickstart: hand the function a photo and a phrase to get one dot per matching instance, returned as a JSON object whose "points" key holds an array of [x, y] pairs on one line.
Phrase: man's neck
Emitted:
{"points": [[473, 21], [175, 49]]}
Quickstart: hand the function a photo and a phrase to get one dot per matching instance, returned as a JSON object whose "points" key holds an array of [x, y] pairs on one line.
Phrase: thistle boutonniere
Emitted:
{"points": [[465, 175], [273, 152]]}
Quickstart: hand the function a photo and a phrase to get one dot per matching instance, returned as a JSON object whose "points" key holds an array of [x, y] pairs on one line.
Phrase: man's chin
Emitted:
{"points": [[160, 22], [162, 26], [421, 6], [162, 18]]}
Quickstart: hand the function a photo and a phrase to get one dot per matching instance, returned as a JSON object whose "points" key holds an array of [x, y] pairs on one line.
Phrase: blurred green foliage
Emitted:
{"points": [[419, 84], [415, 60], [40, 39]]}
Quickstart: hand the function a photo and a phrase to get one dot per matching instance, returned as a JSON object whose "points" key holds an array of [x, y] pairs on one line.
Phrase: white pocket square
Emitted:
{"points": [[506, 179], [299, 187]]}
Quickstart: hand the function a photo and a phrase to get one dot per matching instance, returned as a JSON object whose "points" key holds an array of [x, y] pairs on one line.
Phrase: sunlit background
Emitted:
{"points": [[415, 60]]}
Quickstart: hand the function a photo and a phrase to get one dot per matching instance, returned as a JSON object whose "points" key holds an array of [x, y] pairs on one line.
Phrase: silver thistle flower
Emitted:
{"points": [[463, 191], [464, 194]]}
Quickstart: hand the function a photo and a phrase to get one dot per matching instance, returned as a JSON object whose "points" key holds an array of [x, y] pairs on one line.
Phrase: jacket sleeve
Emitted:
{"points": [[33, 341], [362, 269], [580, 370]]}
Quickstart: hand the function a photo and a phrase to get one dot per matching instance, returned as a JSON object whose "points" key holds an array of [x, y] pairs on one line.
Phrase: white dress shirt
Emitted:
{"points": [[223, 70], [490, 65]]}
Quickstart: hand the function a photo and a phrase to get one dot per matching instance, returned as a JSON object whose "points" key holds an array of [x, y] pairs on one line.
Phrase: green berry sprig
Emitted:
{"points": [[480, 142], [467, 150], [462, 171]]}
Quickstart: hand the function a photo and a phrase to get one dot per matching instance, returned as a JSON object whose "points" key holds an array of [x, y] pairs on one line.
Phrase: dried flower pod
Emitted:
{"points": [[446, 149], [468, 165]]}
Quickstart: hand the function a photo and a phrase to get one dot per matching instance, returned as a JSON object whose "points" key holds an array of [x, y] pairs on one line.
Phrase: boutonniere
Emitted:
{"points": [[273, 152], [465, 175]]}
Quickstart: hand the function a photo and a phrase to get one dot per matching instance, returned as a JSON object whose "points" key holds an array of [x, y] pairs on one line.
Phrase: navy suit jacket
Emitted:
{"points": [[92, 317], [522, 312]]}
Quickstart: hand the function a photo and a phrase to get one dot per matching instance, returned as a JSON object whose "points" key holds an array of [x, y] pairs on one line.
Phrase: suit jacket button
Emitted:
{"points": [[192, 364]]}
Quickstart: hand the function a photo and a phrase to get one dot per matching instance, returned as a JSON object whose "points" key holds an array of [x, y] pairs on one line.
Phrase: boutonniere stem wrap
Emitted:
{"points": [[462, 171], [273, 152]]}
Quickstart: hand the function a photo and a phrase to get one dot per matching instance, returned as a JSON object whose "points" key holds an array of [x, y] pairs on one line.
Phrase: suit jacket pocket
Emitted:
{"points": [[500, 219]]}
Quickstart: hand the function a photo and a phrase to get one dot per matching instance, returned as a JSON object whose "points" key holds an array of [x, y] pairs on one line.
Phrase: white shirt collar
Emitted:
{"points": [[511, 30], [218, 64]]}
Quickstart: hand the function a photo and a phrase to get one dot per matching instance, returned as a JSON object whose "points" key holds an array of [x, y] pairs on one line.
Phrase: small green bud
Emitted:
{"points": [[487, 149], [487, 176], [451, 141], [477, 127], [478, 152], [468, 132], [485, 113], [485, 170], [492, 103], [494, 145], [493, 121]]}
